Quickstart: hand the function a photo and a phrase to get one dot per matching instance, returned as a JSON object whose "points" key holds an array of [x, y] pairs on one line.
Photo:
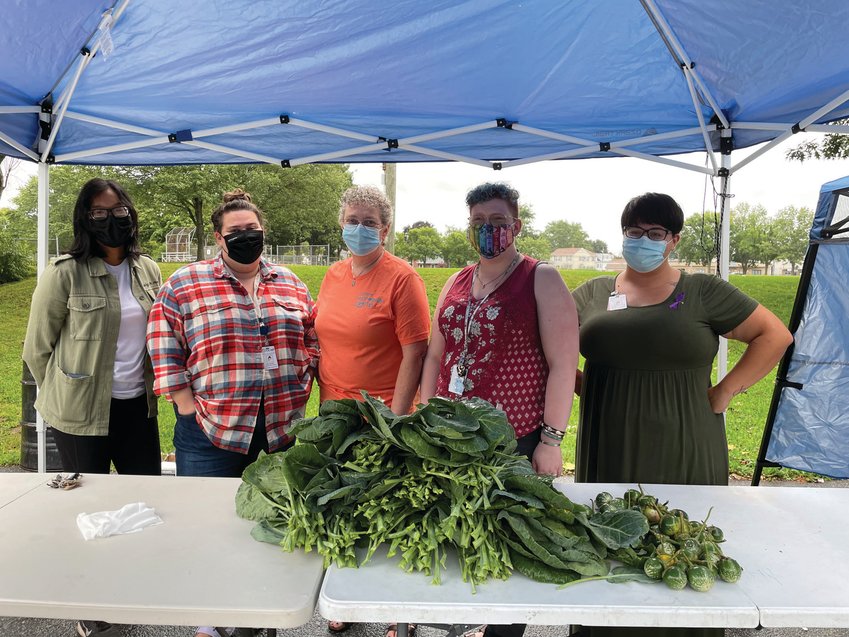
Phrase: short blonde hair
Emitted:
{"points": [[370, 197]]}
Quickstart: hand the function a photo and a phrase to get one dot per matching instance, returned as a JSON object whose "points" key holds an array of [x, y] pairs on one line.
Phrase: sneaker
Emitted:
{"points": [[89, 628]]}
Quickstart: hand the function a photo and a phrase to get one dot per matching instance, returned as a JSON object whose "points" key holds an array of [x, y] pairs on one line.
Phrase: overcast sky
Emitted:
{"points": [[594, 191], [590, 191]]}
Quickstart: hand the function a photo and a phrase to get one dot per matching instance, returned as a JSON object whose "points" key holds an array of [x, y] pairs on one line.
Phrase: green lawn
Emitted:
{"points": [[746, 415]]}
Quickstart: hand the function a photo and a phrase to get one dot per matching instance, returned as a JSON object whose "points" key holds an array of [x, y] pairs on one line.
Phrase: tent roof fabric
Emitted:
{"points": [[352, 76]]}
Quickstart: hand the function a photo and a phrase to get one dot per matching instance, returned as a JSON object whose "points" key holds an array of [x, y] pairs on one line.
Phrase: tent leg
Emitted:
{"points": [[724, 245], [43, 247]]}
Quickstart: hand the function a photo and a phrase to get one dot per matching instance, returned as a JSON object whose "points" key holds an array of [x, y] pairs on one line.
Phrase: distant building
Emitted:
{"points": [[578, 259]]}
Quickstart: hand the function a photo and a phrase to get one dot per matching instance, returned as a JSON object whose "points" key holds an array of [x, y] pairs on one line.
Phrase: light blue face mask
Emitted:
{"points": [[643, 254], [360, 239]]}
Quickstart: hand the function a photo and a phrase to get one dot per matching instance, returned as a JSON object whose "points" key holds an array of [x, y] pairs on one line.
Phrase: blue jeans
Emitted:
{"points": [[197, 456]]}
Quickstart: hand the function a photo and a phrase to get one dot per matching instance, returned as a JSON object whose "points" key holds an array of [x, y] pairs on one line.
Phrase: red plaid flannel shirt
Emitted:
{"points": [[204, 333]]}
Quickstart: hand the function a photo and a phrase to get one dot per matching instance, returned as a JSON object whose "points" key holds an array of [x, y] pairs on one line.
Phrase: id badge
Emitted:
{"points": [[269, 357], [616, 302], [456, 384]]}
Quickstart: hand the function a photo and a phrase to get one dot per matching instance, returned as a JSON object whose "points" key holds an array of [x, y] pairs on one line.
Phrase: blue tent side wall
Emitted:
{"points": [[807, 426]]}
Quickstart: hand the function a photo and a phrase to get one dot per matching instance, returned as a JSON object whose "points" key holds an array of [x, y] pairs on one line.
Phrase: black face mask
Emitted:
{"points": [[112, 232], [244, 246]]}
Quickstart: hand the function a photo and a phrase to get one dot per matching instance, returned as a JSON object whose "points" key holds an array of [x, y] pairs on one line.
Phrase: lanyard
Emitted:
{"points": [[462, 368]]}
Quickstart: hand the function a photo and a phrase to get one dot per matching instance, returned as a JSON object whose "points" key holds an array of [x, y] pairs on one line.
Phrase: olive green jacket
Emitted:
{"points": [[72, 337]]}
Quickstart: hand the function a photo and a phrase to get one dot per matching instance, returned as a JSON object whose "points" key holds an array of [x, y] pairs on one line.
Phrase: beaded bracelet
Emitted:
{"points": [[549, 444]]}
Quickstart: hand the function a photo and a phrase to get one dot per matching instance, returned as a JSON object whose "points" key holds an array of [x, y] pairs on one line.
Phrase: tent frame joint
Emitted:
{"points": [[796, 128], [284, 119], [179, 136], [285, 163], [503, 122], [604, 147], [723, 172], [496, 165], [726, 145]]}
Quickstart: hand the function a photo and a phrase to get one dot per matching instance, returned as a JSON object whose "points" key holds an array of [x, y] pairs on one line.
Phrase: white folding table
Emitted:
{"points": [[201, 566], [790, 541]]}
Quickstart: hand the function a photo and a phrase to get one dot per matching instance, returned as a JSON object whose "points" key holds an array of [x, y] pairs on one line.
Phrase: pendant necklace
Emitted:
{"points": [[364, 270], [483, 285]]}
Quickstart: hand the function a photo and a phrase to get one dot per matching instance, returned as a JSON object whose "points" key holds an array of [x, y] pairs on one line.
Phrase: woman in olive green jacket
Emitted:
{"points": [[85, 342]]}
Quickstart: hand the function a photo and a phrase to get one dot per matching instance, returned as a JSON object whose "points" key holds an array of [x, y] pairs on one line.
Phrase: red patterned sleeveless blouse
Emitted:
{"points": [[504, 358]]}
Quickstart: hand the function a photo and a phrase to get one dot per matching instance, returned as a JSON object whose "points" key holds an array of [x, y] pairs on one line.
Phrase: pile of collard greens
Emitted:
{"points": [[445, 476]]}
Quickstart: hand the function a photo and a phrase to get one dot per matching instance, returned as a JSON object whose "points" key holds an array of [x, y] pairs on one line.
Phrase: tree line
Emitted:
{"points": [[420, 242], [301, 204], [756, 237]]}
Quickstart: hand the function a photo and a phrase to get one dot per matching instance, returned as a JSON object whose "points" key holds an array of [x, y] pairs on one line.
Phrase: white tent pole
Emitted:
{"points": [[827, 128], [451, 132], [58, 121], [450, 156], [105, 150], [689, 77], [293, 121], [264, 159], [21, 149], [668, 36], [663, 160], [724, 244], [11, 110], [109, 123], [109, 18], [593, 145], [577, 152], [802, 125], [338, 154], [41, 261]]}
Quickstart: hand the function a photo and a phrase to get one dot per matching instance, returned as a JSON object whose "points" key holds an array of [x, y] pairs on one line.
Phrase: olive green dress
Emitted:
{"points": [[644, 412]]}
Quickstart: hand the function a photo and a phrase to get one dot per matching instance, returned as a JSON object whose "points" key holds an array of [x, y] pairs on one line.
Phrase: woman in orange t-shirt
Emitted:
{"points": [[373, 318]]}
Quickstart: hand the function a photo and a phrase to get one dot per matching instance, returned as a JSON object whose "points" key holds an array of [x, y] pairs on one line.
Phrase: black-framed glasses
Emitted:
{"points": [[655, 234], [100, 214]]}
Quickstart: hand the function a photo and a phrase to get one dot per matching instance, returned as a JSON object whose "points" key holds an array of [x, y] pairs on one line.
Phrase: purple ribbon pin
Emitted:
{"points": [[679, 300]]}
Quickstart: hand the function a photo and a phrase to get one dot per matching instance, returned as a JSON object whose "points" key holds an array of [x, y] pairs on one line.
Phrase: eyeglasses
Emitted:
{"points": [[655, 234], [100, 214], [368, 223], [496, 220]]}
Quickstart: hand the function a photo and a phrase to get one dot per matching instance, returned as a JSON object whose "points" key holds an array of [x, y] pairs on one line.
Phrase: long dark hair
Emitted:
{"points": [[85, 245]]}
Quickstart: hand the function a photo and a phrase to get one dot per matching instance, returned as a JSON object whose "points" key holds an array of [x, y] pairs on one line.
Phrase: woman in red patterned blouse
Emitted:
{"points": [[506, 330]]}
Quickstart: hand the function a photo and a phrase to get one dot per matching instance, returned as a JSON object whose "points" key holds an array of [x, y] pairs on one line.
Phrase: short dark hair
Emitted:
{"points": [[656, 208], [85, 245], [489, 191], [236, 199]]}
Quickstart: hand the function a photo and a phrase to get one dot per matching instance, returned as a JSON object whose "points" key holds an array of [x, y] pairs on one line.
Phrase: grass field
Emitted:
{"points": [[745, 419]]}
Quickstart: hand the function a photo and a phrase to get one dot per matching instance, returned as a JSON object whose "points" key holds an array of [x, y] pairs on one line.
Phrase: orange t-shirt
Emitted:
{"points": [[362, 324]]}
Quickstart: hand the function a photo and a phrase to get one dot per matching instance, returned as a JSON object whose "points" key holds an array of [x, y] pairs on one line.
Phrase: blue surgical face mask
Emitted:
{"points": [[360, 239], [643, 254]]}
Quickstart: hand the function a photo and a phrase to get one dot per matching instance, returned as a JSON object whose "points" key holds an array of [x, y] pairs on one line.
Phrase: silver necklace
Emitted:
{"points": [[364, 270], [483, 285]]}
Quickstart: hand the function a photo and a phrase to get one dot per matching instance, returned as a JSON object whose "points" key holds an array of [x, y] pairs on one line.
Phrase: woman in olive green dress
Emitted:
{"points": [[648, 412]]}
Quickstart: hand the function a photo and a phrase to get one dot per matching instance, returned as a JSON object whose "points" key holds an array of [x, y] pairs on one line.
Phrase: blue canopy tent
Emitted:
{"points": [[496, 83], [807, 427]]}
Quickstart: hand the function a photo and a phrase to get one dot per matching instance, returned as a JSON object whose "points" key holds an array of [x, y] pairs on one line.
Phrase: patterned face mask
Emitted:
{"points": [[489, 241]]}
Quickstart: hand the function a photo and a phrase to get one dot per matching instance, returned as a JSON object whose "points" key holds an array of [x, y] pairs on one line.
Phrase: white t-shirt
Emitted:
{"points": [[128, 376]]}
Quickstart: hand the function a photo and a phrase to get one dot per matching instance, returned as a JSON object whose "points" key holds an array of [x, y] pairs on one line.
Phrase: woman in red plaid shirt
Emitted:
{"points": [[233, 347]]}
